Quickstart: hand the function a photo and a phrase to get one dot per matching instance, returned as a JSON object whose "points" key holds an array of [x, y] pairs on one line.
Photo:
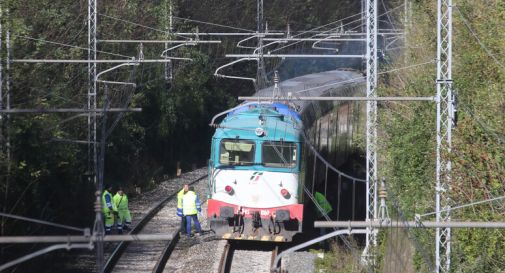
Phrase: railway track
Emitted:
{"points": [[235, 259], [149, 256]]}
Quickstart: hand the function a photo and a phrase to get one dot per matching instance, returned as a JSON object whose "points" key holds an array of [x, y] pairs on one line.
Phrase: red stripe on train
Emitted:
{"points": [[295, 210]]}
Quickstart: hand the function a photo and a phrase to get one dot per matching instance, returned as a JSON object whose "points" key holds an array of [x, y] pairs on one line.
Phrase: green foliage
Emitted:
{"points": [[477, 149], [338, 260]]}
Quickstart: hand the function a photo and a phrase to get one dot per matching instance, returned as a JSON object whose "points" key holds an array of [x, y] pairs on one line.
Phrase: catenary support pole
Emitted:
{"points": [[371, 129], [444, 130], [92, 137], [7, 103], [2, 144]]}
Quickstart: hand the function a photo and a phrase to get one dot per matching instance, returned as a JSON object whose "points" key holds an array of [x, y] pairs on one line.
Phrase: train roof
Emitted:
{"points": [[316, 84], [276, 121], [242, 121]]}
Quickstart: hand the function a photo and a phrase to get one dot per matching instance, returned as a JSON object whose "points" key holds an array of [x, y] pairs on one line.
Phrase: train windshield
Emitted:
{"points": [[236, 152], [279, 154]]}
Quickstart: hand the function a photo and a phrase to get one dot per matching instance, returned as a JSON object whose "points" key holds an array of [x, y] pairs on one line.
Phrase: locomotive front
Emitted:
{"points": [[254, 182]]}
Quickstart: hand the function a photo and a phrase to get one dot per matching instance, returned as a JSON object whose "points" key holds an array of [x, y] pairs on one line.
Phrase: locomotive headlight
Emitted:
{"points": [[259, 132], [285, 193], [228, 189]]}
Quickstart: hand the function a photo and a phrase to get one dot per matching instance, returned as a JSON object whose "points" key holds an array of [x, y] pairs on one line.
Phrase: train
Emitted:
{"points": [[258, 168], [255, 184]]}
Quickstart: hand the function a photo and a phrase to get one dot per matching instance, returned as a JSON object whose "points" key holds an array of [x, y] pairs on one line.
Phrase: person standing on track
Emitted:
{"points": [[121, 203], [190, 207], [180, 194], [109, 209]]}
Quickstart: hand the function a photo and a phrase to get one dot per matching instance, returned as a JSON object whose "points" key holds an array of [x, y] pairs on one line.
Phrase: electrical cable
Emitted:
{"points": [[463, 206], [33, 220], [140, 25], [417, 243], [483, 125], [467, 24], [333, 29], [213, 24], [363, 77], [387, 14], [68, 45]]}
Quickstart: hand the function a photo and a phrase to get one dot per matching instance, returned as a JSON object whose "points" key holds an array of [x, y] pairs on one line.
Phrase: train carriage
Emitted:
{"points": [[254, 182], [256, 194]]}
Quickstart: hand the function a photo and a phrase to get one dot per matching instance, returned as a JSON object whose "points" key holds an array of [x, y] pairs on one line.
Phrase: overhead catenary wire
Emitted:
{"points": [[463, 206], [38, 221], [483, 125], [330, 30], [69, 45], [213, 24], [180, 18], [352, 80], [387, 14], [379, 73], [44, 251], [474, 34], [140, 25]]}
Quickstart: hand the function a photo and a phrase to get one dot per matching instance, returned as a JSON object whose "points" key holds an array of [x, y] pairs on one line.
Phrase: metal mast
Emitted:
{"points": [[168, 64], [371, 126], [363, 15], [8, 88], [4, 207], [1, 84], [260, 74], [92, 137], [92, 152], [444, 127]]}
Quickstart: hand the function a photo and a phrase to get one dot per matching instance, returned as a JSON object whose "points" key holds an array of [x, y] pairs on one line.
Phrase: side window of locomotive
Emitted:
{"points": [[236, 152], [279, 154]]}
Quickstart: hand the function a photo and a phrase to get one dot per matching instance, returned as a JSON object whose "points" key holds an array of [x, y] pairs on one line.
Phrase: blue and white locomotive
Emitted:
{"points": [[254, 174]]}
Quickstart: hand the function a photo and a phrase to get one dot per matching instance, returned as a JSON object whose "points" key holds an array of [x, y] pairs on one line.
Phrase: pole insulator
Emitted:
{"points": [[383, 193], [98, 203]]}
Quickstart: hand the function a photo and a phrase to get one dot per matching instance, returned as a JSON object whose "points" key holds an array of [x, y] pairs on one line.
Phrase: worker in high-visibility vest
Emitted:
{"points": [[121, 202], [180, 194], [326, 207], [191, 206], [323, 203], [109, 209]]}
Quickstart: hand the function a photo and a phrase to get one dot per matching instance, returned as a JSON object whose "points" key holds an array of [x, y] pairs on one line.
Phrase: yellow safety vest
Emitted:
{"points": [[105, 208], [179, 199], [121, 202], [189, 203]]}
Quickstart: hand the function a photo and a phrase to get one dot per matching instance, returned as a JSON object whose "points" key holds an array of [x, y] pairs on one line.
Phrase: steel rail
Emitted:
{"points": [[165, 254], [275, 252], [120, 249], [226, 258]]}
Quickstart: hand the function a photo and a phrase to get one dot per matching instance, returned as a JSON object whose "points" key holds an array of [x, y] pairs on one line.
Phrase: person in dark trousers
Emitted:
{"points": [[109, 209], [180, 194], [191, 206], [121, 202]]}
